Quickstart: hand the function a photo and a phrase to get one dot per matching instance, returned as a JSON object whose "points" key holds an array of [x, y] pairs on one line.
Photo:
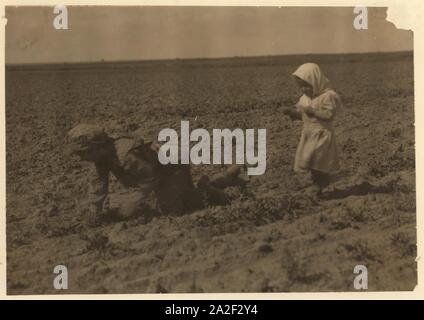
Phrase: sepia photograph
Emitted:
{"points": [[208, 149]]}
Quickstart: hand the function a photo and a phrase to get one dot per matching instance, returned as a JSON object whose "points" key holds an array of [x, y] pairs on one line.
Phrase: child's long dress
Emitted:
{"points": [[317, 148]]}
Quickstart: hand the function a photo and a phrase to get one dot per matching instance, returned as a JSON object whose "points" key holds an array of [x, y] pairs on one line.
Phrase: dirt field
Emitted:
{"points": [[272, 239]]}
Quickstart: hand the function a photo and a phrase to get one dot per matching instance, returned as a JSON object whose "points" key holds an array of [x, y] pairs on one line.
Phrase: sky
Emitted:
{"points": [[143, 33]]}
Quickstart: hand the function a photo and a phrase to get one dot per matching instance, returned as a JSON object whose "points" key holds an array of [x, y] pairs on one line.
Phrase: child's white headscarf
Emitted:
{"points": [[311, 73]]}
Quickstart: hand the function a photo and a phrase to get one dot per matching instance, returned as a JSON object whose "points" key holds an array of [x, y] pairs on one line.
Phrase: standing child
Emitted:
{"points": [[317, 151]]}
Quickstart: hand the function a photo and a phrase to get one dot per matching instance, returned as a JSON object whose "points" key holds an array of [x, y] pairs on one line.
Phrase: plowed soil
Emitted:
{"points": [[273, 237]]}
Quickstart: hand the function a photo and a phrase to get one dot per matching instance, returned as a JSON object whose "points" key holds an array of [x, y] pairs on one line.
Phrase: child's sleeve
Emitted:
{"points": [[327, 107]]}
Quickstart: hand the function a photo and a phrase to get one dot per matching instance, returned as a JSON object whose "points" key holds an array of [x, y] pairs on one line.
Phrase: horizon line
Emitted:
{"points": [[201, 58]]}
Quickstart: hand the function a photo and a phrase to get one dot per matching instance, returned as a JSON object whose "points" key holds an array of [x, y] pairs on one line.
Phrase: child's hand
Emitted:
{"points": [[286, 111], [309, 110], [292, 113]]}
